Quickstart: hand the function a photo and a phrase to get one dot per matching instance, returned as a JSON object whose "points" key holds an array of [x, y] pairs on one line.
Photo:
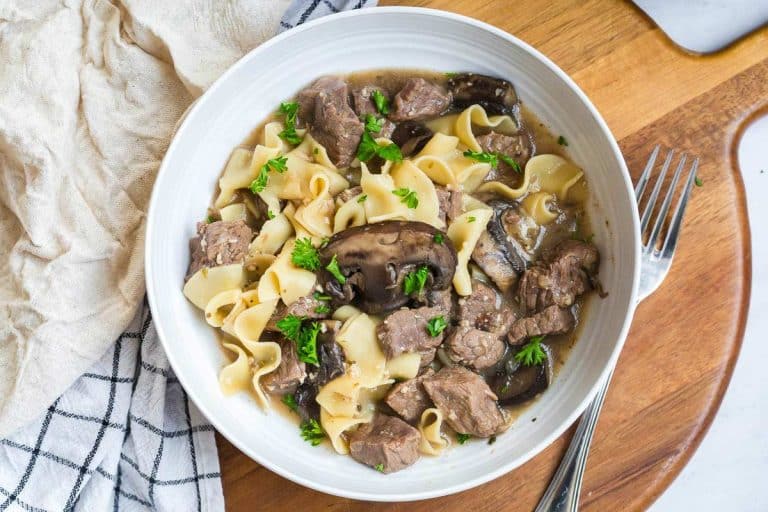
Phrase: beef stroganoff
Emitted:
{"points": [[401, 258]]}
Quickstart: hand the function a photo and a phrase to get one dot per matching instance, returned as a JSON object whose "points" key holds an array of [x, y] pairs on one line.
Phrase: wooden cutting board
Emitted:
{"points": [[685, 338]]}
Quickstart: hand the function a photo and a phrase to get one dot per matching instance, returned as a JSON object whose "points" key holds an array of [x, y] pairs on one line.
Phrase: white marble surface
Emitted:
{"points": [[729, 472]]}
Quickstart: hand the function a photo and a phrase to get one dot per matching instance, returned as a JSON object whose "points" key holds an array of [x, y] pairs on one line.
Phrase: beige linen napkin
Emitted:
{"points": [[90, 91]]}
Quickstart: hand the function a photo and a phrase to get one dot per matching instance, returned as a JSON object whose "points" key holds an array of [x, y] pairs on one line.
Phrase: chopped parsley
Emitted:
{"points": [[561, 140], [414, 281], [270, 214], [289, 134], [306, 345], [323, 309], [362, 198], [381, 102], [210, 219], [436, 325], [451, 74], [316, 151], [372, 124], [491, 439], [320, 296], [698, 182], [304, 255], [312, 432], [471, 218], [486, 158], [462, 438], [290, 401], [333, 268], [390, 152], [279, 164], [438, 238], [369, 148], [531, 354], [379, 467], [510, 162], [290, 326], [407, 197]]}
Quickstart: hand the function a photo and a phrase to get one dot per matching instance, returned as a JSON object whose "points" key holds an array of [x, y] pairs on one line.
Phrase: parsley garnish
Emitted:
{"points": [[698, 182], [379, 467], [333, 268], [381, 102], [290, 136], [450, 74], [561, 140], [492, 440], [414, 281], [369, 148], [486, 158], [372, 124], [436, 325], [270, 214], [312, 432], [306, 345], [438, 238], [362, 198], [279, 164], [390, 152], [510, 162], [304, 255], [290, 326], [290, 401], [210, 219], [408, 197], [320, 296], [471, 218], [323, 309], [289, 133], [531, 354], [462, 438]]}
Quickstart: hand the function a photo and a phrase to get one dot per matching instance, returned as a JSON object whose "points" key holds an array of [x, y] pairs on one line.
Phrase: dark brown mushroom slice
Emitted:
{"points": [[376, 258], [517, 383], [306, 403], [329, 353], [512, 249], [411, 136], [496, 95]]}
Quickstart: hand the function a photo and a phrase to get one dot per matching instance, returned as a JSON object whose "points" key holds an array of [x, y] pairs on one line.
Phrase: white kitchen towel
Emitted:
{"points": [[90, 91]]}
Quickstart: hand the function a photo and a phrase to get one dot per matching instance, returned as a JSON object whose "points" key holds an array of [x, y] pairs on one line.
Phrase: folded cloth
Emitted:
{"points": [[89, 96]]}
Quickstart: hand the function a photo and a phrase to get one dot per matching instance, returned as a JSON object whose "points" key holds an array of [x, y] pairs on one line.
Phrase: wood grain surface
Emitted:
{"points": [[685, 338]]}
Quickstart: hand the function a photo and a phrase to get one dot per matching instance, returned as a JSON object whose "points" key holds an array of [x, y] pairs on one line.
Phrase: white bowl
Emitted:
{"points": [[354, 41]]}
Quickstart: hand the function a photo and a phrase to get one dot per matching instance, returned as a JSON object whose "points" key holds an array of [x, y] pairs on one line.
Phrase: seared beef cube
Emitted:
{"points": [[419, 99], [362, 100], [427, 356], [517, 147], [483, 310], [474, 348], [467, 403], [329, 353], [289, 374], [409, 399], [387, 443], [405, 331], [219, 243], [450, 203], [567, 274], [553, 320], [304, 307], [331, 85], [489, 256]]}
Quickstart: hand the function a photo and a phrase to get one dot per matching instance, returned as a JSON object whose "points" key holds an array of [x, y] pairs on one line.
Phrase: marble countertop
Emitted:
{"points": [[729, 471]]}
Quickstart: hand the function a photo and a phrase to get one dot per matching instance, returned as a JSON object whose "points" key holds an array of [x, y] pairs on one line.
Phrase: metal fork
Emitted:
{"points": [[562, 495]]}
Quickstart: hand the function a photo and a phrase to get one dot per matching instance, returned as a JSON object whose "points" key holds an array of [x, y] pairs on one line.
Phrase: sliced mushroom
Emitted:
{"points": [[495, 95], [329, 353], [503, 233], [411, 136], [517, 383], [376, 258]]}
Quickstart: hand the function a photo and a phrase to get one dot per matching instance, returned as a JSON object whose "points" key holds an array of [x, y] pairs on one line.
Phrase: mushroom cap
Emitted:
{"points": [[375, 258], [513, 251], [518, 383], [496, 95]]}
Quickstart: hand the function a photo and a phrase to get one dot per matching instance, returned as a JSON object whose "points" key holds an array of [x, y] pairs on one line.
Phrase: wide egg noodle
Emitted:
{"points": [[233, 212], [546, 173], [443, 161], [340, 396], [316, 216], [405, 366], [539, 206], [408, 176], [357, 338], [283, 280], [350, 214], [381, 204], [335, 426], [464, 232], [272, 236], [433, 442], [475, 115], [207, 282], [266, 355], [235, 376]]}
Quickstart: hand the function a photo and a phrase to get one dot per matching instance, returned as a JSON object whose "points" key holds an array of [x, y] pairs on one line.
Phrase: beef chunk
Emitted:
{"points": [[387, 443], [450, 203], [405, 331], [442, 300], [489, 256], [484, 310], [553, 320], [474, 348], [518, 147], [362, 100], [567, 274], [289, 374], [419, 99], [467, 403], [305, 307], [408, 398], [332, 121], [219, 243]]}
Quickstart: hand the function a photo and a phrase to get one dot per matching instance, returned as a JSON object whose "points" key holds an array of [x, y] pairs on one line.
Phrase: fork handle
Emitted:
{"points": [[562, 495]]}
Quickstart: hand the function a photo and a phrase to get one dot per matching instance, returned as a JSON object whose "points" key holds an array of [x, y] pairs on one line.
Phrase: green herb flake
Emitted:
{"points": [[362, 198], [279, 164], [367, 148], [436, 325], [320, 296], [407, 197], [438, 238], [510, 162], [306, 344], [290, 401], [561, 140], [289, 109], [390, 152], [312, 432], [486, 158], [316, 151], [379, 467], [290, 326], [414, 281], [260, 183], [471, 218], [210, 219], [304, 255], [381, 102], [531, 354], [699, 182], [333, 268], [451, 74], [323, 309], [270, 214], [462, 438], [372, 124], [290, 136]]}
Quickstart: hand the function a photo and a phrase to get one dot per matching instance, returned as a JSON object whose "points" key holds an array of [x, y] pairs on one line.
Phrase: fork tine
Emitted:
{"points": [[643, 181], [665, 205], [655, 193], [668, 249]]}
